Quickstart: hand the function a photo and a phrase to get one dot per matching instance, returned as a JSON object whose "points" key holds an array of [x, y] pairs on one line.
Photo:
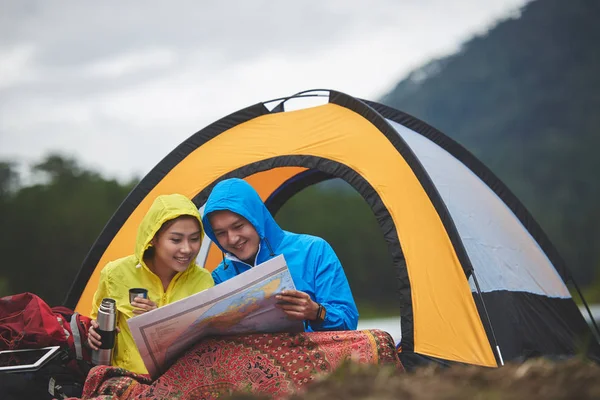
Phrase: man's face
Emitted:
{"points": [[235, 234]]}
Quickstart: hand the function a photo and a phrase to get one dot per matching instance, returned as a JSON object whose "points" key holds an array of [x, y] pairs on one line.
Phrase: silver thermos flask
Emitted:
{"points": [[107, 323]]}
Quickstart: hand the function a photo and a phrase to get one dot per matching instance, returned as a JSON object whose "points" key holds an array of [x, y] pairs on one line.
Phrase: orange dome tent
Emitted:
{"points": [[480, 283]]}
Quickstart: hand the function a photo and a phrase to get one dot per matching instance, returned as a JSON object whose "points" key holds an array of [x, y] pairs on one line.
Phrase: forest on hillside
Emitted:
{"points": [[524, 99]]}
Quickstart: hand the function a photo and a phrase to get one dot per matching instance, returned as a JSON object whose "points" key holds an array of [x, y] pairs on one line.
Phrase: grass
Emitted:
{"points": [[534, 379], [372, 311]]}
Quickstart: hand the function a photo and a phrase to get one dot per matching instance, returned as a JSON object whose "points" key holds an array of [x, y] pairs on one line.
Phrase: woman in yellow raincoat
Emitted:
{"points": [[164, 262]]}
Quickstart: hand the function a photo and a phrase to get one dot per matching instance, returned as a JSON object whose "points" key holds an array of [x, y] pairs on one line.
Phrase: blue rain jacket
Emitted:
{"points": [[313, 265]]}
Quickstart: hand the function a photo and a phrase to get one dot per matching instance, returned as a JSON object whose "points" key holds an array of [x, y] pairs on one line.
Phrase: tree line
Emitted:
{"points": [[49, 227]]}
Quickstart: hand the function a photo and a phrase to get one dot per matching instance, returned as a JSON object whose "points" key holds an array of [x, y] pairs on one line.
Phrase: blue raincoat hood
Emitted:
{"points": [[238, 196]]}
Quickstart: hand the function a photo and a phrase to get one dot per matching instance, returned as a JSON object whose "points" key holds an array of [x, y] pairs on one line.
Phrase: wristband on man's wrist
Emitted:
{"points": [[321, 312]]}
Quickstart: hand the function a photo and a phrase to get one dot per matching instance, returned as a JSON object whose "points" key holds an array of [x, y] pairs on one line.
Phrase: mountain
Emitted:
{"points": [[525, 99]]}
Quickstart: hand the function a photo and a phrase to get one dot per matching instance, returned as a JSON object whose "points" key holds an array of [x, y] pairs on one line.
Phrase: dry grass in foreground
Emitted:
{"points": [[533, 379]]}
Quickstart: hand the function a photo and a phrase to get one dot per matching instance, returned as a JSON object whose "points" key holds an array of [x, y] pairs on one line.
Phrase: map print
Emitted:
{"points": [[244, 304]]}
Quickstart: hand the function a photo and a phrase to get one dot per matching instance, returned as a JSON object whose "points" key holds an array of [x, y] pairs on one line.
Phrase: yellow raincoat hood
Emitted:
{"points": [[165, 208]]}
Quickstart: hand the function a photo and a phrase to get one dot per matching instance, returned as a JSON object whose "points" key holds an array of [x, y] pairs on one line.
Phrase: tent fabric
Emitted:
{"points": [[428, 195], [484, 173], [118, 237], [529, 325], [495, 240]]}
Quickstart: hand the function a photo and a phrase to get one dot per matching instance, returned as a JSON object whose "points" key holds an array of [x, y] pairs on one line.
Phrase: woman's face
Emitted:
{"points": [[177, 245]]}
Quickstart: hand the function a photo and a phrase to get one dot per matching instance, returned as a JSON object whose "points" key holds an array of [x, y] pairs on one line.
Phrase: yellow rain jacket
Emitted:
{"points": [[130, 272]]}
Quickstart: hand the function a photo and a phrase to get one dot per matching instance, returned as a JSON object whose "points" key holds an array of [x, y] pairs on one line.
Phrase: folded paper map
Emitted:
{"points": [[243, 304]]}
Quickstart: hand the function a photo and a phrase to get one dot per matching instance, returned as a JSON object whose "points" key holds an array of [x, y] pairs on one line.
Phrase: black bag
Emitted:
{"points": [[54, 380]]}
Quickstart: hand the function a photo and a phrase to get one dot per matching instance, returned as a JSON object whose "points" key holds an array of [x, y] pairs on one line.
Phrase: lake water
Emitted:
{"points": [[392, 325]]}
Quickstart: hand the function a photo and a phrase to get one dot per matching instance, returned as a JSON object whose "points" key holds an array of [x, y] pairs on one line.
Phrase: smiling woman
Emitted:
{"points": [[174, 246], [167, 244]]}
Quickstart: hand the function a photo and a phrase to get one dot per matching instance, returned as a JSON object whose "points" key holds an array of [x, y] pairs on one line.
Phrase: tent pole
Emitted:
{"points": [[585, 304], [487, 316]]}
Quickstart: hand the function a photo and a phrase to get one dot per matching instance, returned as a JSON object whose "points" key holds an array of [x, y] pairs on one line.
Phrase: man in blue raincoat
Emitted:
{"points": [[236, 219]]}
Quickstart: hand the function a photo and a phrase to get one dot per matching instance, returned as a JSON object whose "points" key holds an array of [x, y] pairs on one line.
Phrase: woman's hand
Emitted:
{"points": [[141, 305], [297, 305], [94, 338]]}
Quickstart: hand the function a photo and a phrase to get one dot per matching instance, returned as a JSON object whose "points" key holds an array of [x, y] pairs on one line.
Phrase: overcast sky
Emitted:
{"points": [[118, 85]]}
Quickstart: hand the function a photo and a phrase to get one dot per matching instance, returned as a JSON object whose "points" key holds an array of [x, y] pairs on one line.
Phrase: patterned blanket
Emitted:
{"points": [[272, 364]]}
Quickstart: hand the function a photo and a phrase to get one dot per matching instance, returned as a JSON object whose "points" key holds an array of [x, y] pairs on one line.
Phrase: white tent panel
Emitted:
{"points": [[503, 253], [205, 246]]}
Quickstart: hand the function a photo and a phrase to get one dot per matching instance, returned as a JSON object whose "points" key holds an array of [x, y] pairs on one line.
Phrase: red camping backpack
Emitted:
{"points": [[28, 322]]}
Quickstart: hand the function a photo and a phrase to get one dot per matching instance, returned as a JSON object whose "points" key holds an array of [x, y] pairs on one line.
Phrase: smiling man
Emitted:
{"points": [[236, 219]]}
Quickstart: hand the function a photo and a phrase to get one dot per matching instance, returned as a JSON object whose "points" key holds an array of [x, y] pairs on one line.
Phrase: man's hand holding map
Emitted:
{"points": [[243, 304]]}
